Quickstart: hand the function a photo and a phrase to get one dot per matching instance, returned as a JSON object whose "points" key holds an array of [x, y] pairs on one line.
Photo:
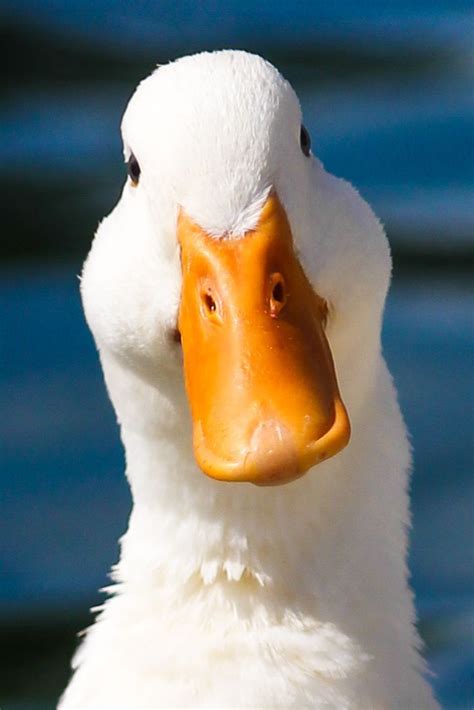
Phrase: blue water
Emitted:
{"points": [[65, 501], [233, 22]]}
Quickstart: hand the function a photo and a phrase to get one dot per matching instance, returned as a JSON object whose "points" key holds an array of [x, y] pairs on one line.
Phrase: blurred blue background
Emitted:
{"points": [[386, 91]]}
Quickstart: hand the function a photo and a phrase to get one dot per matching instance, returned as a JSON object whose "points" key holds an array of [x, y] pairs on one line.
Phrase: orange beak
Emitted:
{"points": [[258, 370]]}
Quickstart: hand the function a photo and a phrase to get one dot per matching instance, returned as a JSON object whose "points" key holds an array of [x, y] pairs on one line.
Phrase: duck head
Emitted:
{"points": [[234, 262]]}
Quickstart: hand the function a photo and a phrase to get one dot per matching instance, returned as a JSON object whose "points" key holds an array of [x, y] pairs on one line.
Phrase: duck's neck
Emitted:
{"points": [[332, 535]]}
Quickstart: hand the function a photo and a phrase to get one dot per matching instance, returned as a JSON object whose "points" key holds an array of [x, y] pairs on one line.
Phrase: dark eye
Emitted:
{"points": [[133, 169], [305, 141]]}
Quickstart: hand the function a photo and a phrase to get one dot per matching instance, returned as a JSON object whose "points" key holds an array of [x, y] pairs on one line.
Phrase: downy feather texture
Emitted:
{"points": [[231, 595]]}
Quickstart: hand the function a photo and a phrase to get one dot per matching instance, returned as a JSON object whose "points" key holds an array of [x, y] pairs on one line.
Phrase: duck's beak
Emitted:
{"points": [[259, 373]]}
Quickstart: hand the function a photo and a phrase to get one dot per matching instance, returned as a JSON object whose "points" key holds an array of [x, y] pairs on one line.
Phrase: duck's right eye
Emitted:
{"points": [[305, 141], [133, 169]]}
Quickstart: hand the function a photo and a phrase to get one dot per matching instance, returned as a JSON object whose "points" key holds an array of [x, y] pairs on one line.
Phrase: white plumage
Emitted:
{"points": [[230, 595]]}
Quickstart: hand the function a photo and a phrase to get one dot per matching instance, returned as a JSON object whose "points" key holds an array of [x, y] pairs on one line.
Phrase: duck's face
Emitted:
{"points": [[226, 245]]}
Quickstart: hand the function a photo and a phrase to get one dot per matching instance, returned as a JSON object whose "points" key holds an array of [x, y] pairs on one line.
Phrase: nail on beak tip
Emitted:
{"points": [[272, 456]]}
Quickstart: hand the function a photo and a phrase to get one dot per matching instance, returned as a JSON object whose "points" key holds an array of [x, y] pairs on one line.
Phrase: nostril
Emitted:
{"points": [[278, 294], [209, 303], [211, 308]]}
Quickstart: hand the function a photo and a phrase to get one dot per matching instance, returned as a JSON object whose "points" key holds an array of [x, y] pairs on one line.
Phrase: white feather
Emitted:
{"points": [[230, 595]]}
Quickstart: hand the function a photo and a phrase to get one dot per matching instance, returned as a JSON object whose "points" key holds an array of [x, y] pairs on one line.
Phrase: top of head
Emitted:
{"points": [[206, 127]]}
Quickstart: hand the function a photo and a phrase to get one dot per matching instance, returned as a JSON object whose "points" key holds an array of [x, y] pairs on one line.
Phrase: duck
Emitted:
{"points": [[235, 294]]}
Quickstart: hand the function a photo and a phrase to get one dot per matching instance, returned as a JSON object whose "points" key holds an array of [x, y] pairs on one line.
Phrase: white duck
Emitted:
{"points": [[233, 595]]}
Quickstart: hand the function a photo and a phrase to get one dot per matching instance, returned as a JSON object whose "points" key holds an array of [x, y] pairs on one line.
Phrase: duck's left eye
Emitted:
{"points": [[305, 141], [133, 169]]}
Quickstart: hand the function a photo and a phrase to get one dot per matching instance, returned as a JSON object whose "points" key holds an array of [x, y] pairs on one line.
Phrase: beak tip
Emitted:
{"points": [[272, 457]]}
